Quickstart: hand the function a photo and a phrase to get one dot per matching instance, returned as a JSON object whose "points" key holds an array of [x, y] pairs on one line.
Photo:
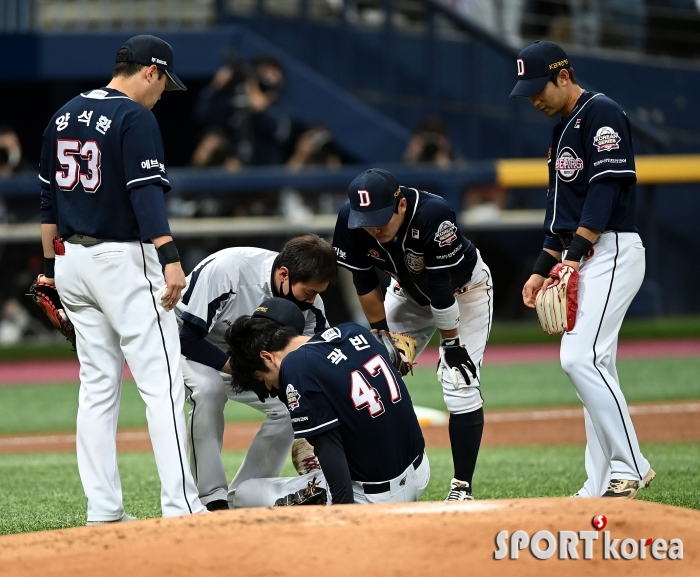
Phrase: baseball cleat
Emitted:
{"points": [[303, 457], [459, 491], [312, 494], [217, 505], [124, 519], [628, 489]]}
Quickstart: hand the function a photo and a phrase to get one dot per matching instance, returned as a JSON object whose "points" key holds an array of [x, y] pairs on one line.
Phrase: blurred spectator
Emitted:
{"points": [[430, 143], [10, 152], [500, 17], [244, 123], [14, 321]]}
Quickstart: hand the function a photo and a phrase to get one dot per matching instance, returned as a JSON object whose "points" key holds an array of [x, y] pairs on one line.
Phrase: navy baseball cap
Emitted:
{"points": [[283, 311], [149, 50], [373, 196], [536, 64]]}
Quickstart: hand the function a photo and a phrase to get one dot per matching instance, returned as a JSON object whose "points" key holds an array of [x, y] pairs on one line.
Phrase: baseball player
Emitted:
{"points": [[438, 280], [345, 398], [103, 181], [590, 222], [224, 286]]}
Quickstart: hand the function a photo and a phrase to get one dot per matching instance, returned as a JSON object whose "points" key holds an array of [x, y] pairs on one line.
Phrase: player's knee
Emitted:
{"points": [[208, 391], [575, 361]]}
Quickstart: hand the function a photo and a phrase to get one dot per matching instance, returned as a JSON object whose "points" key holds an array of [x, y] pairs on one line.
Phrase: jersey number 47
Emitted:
{"points": [[364, 395]]}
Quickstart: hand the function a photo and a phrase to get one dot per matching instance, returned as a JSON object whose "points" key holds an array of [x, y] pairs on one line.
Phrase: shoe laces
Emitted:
{"points": [[458, 494]]}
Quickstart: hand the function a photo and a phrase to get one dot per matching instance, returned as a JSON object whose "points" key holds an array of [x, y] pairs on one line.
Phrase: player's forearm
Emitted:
{"points": [[373, 305], [48, 232], [330, 453]]}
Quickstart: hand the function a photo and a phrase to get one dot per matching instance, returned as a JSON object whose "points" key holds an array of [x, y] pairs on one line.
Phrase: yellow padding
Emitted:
{"points": [[532, 172]]}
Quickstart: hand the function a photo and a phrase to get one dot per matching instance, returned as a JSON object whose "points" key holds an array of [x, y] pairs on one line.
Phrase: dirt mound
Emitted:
{"points": [[408, 539]]}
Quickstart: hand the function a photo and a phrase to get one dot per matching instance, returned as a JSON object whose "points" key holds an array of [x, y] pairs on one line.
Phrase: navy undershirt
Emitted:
{"points": [[148, 202], [328, 448], [195, 347]]}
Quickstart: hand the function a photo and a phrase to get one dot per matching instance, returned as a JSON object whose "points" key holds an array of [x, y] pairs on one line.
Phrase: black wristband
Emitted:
{"points": [[578, 248], [380, 325], [168, 252], [450, 342], [544, 264], [49, 264]]}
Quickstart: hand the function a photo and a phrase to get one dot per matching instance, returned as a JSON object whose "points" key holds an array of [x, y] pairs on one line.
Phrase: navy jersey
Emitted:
{"points": [[343, 378], [591, 144], [428, 240], [96, 148]]}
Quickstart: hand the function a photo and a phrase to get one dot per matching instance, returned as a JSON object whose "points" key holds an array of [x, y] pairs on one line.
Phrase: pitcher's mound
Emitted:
{"points": [[422, 539]]}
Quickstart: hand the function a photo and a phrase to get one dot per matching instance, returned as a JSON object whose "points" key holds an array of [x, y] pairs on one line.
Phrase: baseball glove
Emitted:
{"points": [[312, 494], [557, 305], [46, 298], [401, 348]]}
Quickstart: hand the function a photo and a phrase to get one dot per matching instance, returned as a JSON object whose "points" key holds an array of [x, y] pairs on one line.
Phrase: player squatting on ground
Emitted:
{"points": [[438, 280], [590, 222], [367, 439], [103, 181], [224, 286]]}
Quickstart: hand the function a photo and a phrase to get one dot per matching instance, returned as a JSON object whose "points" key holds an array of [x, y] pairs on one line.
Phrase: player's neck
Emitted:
{"points": [[126, 86], [572, 99], [295, 343]]}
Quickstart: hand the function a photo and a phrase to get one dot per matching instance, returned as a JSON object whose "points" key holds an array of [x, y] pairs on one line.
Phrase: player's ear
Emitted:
{"points": [[284, 273], [152, 73]]}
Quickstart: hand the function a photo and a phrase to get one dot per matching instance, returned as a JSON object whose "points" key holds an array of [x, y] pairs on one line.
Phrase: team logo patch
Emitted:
{"points": [[446, 233], [293, 397], [330, 334], [414, 262], [375, 254], [577, 124], [415, 233], [568, 165], [606, 139]]}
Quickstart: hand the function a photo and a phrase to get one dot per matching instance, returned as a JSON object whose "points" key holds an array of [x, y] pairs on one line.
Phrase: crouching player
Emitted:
{"points": [[344, 397]]}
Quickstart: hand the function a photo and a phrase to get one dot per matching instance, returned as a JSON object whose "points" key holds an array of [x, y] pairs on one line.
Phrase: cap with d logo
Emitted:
{"points": [[283, 311], [536, 64], [149, 51], [373, 196]]}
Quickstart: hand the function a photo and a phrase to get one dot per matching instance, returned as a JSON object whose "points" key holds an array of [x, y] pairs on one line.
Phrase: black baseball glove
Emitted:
{"points": [[456, 359], [46, 298]]}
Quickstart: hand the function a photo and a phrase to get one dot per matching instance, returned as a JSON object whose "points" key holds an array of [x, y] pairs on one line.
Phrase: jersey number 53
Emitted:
{"points": [[68, 152], [364, 395]]}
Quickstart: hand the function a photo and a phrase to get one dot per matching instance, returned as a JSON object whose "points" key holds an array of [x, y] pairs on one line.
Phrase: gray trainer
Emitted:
{"points": [[628, 489]]}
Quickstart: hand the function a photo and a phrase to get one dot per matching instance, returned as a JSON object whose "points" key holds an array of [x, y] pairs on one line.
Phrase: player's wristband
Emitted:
{"points": [[49, 264], [544, 264], [446, 319], [578, 248], [450, 342], [380, 325], [168, 252]]}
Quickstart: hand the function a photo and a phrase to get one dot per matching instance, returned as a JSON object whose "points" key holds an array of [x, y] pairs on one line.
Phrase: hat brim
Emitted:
{"points": [[175, 83], [372, 218], [529, 87]]}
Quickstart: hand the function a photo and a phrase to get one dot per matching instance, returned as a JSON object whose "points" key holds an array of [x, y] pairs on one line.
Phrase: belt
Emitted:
{"points": [[376, 488], [87, 240]]}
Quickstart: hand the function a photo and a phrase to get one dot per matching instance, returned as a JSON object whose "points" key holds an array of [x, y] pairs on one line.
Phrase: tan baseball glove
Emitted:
{"points": [[402, 349], [556, 306]]}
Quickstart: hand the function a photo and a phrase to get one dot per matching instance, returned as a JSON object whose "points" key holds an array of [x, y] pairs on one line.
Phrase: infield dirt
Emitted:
{"points": [[420, 539]]}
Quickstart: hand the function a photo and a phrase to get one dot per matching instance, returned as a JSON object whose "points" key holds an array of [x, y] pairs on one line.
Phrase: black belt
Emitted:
{"points": [[376, 488]]}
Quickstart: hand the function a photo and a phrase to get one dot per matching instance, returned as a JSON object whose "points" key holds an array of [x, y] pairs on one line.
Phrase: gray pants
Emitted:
{"points": [[207, 391]]}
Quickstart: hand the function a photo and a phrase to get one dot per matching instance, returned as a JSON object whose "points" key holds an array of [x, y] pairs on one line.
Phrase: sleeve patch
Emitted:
{"points": [[293, 397], [446, 233], [415, 262], [606, 139]]}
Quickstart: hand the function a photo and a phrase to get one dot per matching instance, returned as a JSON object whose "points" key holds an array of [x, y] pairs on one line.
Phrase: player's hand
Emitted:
{"points": [[45, 280], [456, 360], [533, 283], [175, 281]]}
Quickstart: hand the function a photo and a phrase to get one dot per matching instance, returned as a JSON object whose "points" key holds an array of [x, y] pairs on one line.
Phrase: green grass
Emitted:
{"points": [[502, 333], [50, 408], [41, 492]]}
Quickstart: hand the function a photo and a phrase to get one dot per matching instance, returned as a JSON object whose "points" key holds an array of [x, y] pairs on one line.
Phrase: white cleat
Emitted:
{"points": [[124, 519], [459, 491]]}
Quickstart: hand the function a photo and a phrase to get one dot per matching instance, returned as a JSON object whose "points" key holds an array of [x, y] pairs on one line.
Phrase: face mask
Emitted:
{"points": [[303, 305]]}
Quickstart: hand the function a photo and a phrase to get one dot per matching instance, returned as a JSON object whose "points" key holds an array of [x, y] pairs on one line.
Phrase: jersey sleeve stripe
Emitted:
{"points": [[189, 317], [315, 428], [43, 179], [148, 178], [354, 267], [446, 265], [632, 172]]}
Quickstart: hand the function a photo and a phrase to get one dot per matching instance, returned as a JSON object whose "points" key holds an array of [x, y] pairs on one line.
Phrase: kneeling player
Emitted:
{"points": [[344, 397]]}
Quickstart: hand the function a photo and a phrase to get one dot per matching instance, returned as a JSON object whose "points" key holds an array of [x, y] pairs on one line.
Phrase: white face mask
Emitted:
{"points": [[14, 155]]}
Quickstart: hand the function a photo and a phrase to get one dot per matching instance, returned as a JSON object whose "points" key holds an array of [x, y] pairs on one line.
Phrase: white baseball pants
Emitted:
{"points": [[107, 290], [207, 391], [404, 315], [607, 284], [405, 488]]}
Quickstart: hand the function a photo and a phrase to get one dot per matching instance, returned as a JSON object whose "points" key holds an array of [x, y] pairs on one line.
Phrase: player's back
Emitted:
{"points": [[347, 381], [97, 147]]}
